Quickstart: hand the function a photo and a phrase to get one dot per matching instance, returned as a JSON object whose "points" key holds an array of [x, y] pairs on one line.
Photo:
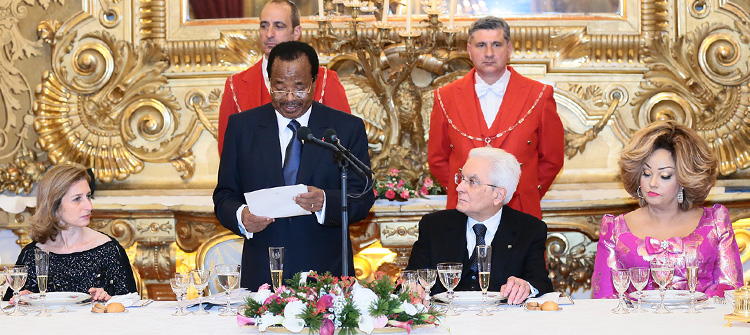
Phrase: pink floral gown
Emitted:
{"points": [[719, 268]]}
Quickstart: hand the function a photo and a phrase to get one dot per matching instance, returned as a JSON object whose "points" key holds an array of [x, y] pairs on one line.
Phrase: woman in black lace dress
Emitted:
{"points": [[81, 259]]}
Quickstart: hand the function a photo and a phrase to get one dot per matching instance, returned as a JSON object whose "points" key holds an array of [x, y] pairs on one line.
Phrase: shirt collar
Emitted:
{"points": [[492, 223], [283, 122], [264, 70]]}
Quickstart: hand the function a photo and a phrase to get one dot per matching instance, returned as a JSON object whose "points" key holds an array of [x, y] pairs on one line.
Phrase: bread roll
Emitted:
{"points": [[115, 307], [550, 306], [98, 308]]}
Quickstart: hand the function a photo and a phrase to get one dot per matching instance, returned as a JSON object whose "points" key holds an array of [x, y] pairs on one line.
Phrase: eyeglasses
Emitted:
{"points": [[473, 182], [296, 94]]}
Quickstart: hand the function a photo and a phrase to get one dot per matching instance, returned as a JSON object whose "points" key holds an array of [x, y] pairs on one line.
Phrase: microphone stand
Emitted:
{"points": [[343, 164]]}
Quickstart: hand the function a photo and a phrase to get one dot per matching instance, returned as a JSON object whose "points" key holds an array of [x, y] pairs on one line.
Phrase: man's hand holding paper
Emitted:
{"points": [[281, 202]]}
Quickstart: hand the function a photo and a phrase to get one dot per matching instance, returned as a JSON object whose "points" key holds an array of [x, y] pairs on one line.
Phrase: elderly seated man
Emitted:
{"points": [[485, 185]]}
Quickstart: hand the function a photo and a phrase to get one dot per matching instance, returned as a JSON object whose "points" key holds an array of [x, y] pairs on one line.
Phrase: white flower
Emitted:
{"points": [[365, 323], [303, 277], [269, 319], [408, 308], [363, 299], [291, 320], [261, 296]]}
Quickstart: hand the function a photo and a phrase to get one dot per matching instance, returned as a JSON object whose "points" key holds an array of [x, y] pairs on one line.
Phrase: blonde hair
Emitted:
{"points": [[45, 224], [696, 167]]}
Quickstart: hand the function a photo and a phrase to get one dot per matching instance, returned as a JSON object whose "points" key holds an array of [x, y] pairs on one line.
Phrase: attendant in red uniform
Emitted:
{"points": [[279, 22], [495, 106]]}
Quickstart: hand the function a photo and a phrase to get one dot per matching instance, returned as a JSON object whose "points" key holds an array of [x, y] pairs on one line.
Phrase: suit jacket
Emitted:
{"points": [[251, 91], [537, 142], [252, 161], [517, 249]]}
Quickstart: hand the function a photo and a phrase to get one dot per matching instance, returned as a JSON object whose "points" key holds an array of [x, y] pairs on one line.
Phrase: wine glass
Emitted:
{"points": [[427, 279], [450, 275], [200, 278], [16, 277], [41, 261], [409, 279], [691, 272], [639, 277], [180, 284], [662, 270], [228, 276], [621, 281], [484, 264], [3, 287], [276, 262]]}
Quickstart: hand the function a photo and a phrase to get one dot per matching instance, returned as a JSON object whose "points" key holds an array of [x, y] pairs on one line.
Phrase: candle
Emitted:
{"points": [[386, 8], [433, 5], [321, 8], [408, 16], [452, 12]]}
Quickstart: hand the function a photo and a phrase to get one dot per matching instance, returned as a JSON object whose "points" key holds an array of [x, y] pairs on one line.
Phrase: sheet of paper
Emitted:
{"points": [[277, 202]]}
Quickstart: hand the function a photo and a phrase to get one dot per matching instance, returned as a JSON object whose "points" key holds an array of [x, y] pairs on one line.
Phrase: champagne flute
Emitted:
{"points": [[621, 281], [276, 262], [41, 261], [180, 284], [228, 276], [639, 277], [427, 279], [691, 272], [200, 279], [662, 270], [450, 275], [16, 277], [484, 264]]}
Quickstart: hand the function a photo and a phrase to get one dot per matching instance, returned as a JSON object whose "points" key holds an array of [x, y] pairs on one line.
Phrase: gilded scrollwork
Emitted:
{"points": [[700, 80], [105, 104], [570, 266], [576, 143], [192, 231], [121, 229], [204, 106]]}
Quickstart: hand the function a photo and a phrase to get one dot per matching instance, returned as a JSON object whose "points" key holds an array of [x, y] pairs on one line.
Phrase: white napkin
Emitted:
{"points": [[126, 300], [557, 297]]}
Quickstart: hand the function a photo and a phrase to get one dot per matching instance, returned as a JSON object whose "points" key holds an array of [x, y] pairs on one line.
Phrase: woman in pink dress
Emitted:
{"points": [[670, 169]]}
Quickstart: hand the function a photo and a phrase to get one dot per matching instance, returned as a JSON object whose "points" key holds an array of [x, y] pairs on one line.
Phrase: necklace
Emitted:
{"points": [[489, 139]]}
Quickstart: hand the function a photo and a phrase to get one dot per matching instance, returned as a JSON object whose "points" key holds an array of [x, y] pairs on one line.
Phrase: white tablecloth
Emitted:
{"points": [[585, 317]]}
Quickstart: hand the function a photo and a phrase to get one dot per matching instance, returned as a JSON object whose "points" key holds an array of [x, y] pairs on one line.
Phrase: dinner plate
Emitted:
{"points": [[671, 297], [470, 298], [55, 298]]}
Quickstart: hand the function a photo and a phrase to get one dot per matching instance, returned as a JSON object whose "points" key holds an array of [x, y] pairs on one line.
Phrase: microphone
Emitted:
{"points": [[330, 136], [305, 134]]}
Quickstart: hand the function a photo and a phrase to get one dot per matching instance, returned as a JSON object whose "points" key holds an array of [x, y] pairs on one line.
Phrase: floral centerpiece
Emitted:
{"points": [[431, 187], [324, 303], [394, 187]]}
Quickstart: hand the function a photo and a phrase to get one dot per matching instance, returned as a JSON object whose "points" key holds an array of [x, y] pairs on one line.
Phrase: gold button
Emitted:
{"points": [[528, 142], [451, 146], [539, 187], [521, 164]]}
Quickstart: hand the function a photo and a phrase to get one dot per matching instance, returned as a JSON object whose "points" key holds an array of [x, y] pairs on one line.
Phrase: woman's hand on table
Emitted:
{"points": [[99, 294], [12, 299]]}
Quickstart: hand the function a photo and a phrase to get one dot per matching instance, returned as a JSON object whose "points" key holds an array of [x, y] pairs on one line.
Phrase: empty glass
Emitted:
{"points": [[450, 275], [228, 276], [639, 278], [427, 279], [484, 264], [621, 281], [409, 281], [180, 284], [16, 277], [691, 273], [41, 262], [200, 278]]}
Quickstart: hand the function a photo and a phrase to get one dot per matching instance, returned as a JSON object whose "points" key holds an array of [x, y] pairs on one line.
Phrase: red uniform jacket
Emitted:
{"points": [[537, 142], [250, 91]]}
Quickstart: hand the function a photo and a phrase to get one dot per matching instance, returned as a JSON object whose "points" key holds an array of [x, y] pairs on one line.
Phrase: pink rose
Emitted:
{"points": [[376, 195], [327, 328], [424, 191], [393, 172], [401, 183], [427, 182], [390, 194], [405, 194], [391, 185], [290, 299]]}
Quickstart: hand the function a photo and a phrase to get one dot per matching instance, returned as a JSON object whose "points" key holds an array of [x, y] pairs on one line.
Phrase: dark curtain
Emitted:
{"points": [[216, 9]]}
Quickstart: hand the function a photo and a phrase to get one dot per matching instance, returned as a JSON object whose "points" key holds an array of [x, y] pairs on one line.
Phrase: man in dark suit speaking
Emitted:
{"points": [[485, 185], [261, 151]]}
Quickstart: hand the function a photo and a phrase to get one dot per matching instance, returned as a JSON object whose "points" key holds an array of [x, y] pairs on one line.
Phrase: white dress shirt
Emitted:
{"points": [[285, 135], [491, 96], [492, 224]]}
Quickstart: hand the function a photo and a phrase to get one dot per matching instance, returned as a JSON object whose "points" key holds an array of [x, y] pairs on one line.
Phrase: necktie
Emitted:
{"points": [[291, 160], [479, 229]]}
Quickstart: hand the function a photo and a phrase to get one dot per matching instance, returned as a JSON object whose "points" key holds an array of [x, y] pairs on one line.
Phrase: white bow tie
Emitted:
{"points": [[483, 88]]}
